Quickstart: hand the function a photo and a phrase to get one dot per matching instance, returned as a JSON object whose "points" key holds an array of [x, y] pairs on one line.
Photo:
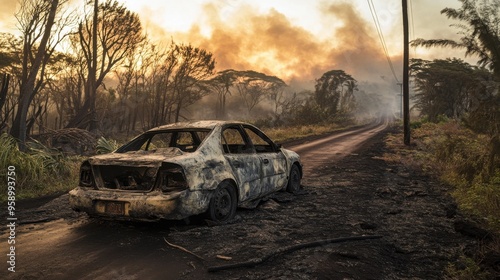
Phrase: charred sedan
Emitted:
{"points": [[184, 169]]}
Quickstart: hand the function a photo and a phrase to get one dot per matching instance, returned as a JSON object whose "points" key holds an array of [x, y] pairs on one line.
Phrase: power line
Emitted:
{"points": [[381, 37], [412, 35], [412, 21]]}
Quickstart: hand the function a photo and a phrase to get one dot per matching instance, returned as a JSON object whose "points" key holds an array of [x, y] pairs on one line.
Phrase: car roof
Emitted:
{"points": [[209, 124]]}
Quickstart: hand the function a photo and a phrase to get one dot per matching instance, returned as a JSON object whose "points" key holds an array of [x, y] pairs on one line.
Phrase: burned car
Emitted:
{"points": [[184, 169]]}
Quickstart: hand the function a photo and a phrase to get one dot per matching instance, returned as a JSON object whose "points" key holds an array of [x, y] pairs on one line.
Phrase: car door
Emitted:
{"points": [[244, 162], [273, 161]]}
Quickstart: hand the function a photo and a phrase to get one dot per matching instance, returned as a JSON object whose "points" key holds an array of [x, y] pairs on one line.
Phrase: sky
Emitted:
{"points": [[299, 40], [296, 40]]}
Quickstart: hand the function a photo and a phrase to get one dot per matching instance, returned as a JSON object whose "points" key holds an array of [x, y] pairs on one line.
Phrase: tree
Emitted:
{"points": [[105, 38], [173, 78], [222, 84], [480, 33], [480, 36], [189, 82], [254, 86], [285, 105], [309, 112], [9, 52], [41, 33], [444, 87], [4, 87], [334, 92]]}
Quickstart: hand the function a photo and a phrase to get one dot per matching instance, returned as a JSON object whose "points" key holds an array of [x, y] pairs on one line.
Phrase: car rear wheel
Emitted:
{"points": [[294, 179], [223, 203]]}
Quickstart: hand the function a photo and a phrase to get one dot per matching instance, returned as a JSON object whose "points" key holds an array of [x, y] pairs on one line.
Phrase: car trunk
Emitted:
{"points": [[129, 178]]}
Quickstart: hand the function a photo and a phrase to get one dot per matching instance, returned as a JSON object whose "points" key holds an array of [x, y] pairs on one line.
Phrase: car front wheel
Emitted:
{"points": [[223, 203]]}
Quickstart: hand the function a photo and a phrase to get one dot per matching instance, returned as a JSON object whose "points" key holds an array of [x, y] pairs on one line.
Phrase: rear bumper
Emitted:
{"points": [[149, 206]]}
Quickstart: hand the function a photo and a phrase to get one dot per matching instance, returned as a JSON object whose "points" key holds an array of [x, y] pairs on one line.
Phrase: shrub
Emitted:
{"points": [[105, 146], [461, 158], [39, 171]]}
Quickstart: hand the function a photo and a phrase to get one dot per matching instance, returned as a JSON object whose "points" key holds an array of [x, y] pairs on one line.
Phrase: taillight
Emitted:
{"points": [[171, 179], [86, 177]]}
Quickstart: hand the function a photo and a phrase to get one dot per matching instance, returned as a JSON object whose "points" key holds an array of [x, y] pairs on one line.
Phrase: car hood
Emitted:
{"points": [[152, 158]]}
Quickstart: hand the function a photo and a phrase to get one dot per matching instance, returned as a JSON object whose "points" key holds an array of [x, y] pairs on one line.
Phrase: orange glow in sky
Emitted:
{"points": [[294, 40]]}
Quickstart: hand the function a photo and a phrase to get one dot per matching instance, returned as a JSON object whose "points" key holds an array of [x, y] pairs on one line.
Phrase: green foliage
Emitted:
{"points": [[479, 30], [310, 113], [334, 92], [105, 146], [466, 269], [462, 158], [29, 168], [484, 117], [39, 171], [52, 160], [445, 87]]}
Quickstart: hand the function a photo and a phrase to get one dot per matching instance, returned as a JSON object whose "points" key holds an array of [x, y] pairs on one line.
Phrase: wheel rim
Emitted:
{"points": [[222, 204]]}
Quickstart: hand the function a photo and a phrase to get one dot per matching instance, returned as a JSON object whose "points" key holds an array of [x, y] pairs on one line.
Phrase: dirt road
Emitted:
{"points": [[348, 190]]}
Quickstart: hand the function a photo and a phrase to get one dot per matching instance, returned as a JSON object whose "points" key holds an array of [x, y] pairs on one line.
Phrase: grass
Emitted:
{"points": [[284, 134], [461, 159], [40, 171]]}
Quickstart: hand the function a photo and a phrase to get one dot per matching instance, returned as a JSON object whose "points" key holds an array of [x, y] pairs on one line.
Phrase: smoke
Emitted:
{"points": [[7, 19], [242, 37], [271, 43], [359, 52]]}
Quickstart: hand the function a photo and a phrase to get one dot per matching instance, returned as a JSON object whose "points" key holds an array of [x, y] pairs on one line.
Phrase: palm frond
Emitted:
{"points": [[105, 146], [435, 43]]}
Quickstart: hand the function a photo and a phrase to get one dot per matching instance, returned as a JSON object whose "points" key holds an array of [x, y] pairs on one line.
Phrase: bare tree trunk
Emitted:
{"points": [[4, 89], [3, 98], [93, 72], [28, 91]]}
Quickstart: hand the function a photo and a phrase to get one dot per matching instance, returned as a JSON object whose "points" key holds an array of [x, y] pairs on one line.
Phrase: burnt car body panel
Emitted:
{"points": [[176, 176]]}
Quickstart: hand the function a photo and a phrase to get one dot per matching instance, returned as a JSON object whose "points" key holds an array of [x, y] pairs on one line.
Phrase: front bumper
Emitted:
{"points": [[155, 205]]}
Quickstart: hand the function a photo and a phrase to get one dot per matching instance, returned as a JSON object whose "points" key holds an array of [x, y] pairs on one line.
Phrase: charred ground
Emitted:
{"points": [[358, 195]]}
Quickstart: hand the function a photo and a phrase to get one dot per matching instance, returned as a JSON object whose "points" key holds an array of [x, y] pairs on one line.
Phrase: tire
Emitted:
{"points": [[223, 203], [294, 180]]}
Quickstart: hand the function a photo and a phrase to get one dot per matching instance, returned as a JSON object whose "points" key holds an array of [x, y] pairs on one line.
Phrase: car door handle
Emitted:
{"points": [[266, 161]]}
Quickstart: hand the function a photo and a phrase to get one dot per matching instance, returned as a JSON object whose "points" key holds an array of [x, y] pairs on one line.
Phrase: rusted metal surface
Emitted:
{"points": [[146, 181]]}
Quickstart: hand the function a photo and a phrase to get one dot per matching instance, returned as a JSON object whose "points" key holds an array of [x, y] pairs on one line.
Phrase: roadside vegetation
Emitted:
{"points": [[457, 138], [39, 171], [462, 160]]}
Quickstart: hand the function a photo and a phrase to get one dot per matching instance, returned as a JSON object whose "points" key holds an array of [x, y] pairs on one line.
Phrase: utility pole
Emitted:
{"points": [[400, 96], [406, 88]]}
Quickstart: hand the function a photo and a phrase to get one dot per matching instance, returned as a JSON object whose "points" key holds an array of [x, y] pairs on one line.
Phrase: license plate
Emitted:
{"points": [[115, 208]]}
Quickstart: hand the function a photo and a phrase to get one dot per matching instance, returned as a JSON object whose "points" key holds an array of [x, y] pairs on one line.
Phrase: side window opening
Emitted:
{"points": [[158, 141], [261, 142], [186, 141], [233, 142]]}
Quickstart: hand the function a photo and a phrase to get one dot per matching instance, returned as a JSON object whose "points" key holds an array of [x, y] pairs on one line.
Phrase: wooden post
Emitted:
{"points": [[406, 88]]}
